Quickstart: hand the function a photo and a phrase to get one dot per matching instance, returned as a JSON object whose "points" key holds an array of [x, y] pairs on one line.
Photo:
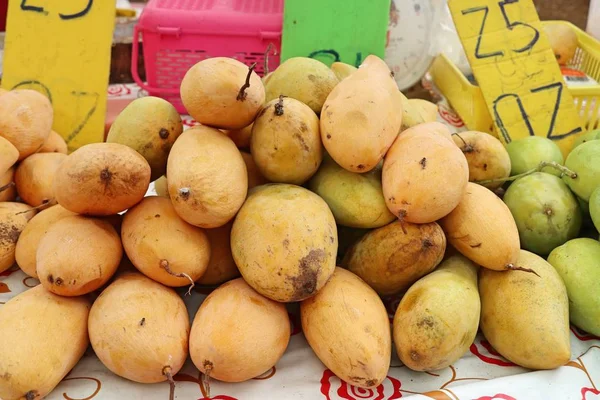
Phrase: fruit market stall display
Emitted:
{"points": [[452, 264], [308, 234]]}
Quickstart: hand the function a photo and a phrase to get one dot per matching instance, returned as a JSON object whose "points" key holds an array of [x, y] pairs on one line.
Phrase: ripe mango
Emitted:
{"points": [[486, 155], [43, 337], [438, 317], [347, 327], [393, 257], [525, 316], [563, 41]]}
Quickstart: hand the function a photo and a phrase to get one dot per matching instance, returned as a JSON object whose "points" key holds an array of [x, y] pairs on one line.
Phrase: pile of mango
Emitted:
{"points": [[321, 186]]}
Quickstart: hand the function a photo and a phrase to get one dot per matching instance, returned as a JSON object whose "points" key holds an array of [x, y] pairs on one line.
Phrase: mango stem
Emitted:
{"points": [[44, 204], [279, 105], [266, 66], [31, 395], [164, 264], [206, 377], [512, 267], [543, 164], [167, 372], [468, 148], [7, 186], [242, 93]]}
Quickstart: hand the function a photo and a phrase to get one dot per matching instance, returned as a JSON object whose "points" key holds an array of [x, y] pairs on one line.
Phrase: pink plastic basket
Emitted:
{"points": [[176, 34]]}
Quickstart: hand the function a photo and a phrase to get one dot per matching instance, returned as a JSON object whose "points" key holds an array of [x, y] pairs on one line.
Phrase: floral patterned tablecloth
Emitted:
{"points": [[481, 374]]}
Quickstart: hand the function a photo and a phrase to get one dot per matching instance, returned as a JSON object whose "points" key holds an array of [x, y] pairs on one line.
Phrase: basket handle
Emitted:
{"points": [[134, 67]]}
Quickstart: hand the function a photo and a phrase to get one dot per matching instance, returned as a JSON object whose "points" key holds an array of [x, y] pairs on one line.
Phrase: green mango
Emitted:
{"points": [[586, 137], [527, 153], [595, 208], [547, 213], [584, 160], [578, 264]]}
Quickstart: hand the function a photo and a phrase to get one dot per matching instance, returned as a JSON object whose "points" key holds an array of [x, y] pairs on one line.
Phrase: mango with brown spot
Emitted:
{"points": [[78, 255], [284, 242], [424, 175], [486, 155], [393, 257], [285, 142], [438, 317], [13, 219]]}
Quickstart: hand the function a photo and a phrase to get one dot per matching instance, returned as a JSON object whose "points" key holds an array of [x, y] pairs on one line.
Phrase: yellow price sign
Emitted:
{"points": [[62, 49], [517, 72]]}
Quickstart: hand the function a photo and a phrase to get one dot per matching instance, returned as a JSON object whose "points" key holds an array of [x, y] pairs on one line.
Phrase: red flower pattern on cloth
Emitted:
{"points": [[189, 121], [296, 323], [590, 393], [388, 390], [499, 396], [493, 358], [219, 397], [118, 90], [582, 335], [450, 116]]}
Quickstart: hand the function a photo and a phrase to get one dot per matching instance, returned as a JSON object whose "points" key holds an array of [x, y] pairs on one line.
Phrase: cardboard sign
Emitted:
{"points": [[62, 49], [330, 31], [515, 67]]}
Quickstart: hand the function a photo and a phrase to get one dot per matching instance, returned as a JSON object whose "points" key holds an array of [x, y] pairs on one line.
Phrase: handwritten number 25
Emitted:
{"points": [[29, 7], [510, 25]]}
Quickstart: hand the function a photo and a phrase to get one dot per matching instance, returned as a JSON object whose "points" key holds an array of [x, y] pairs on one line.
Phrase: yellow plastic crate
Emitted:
{"points": [[467, 99]]}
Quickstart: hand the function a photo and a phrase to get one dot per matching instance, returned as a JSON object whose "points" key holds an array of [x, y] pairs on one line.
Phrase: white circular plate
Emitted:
{"points": [[407, 49]]}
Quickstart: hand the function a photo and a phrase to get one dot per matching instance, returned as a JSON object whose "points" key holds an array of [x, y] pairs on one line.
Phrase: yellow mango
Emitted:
{"points": [[438, 317], [525, 316]]}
